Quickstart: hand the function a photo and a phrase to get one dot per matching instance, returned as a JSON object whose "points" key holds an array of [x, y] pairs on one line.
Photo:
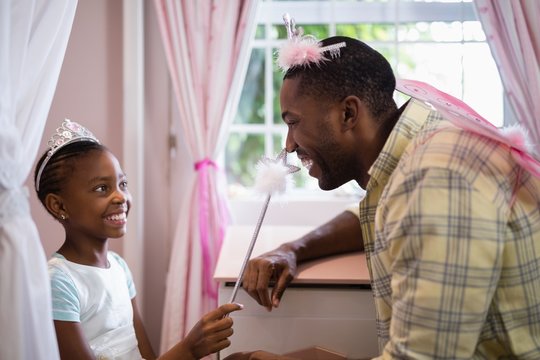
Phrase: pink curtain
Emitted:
{"points": [[207, 48], [513, 33]]}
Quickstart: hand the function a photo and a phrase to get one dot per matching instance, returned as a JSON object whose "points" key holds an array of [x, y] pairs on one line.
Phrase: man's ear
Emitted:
{"points": [[352, 111], [55, 206]]}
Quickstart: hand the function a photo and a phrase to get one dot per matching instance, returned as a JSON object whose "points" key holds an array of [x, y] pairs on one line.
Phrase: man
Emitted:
{"points": [[450, 222]]}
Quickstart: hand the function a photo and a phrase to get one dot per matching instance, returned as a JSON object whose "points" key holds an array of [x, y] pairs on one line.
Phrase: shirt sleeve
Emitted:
{"points": [[129, 277], [65, 299], [445, 240]]}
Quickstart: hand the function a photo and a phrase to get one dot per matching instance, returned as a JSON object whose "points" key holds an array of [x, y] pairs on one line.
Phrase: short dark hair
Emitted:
{"points": [[60, 165], [359, 70]]}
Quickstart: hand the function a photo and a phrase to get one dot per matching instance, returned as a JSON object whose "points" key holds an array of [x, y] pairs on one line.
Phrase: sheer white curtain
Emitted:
{"points": [[513, 33], [207, 47], [33, 40]]}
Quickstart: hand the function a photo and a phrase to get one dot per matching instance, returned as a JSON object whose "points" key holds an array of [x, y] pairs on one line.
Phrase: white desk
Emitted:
{"points": [[329, 304]]}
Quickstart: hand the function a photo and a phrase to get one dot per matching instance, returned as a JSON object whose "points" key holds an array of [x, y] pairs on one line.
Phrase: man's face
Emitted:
{"points": [[315, 133]]}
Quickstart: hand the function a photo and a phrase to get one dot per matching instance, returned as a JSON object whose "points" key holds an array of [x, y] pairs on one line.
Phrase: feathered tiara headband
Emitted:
{"points": [[69, 132], [303, 50]]}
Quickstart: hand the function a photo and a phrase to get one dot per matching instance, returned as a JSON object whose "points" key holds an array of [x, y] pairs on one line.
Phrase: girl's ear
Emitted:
{"points": [[55, 206]]}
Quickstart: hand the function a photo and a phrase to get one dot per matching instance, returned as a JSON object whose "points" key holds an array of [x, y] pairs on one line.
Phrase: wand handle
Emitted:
{"points": [[250, 249]]}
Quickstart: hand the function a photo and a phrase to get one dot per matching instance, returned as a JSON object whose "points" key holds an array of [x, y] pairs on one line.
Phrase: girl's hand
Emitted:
{"points": [[211, 333]]}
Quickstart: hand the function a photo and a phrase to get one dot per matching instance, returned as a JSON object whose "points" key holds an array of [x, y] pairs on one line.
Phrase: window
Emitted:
{"points": [[438, 42]]}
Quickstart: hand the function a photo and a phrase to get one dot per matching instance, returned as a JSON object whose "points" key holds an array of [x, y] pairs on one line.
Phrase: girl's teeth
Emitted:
{"points": [[117, 217]]}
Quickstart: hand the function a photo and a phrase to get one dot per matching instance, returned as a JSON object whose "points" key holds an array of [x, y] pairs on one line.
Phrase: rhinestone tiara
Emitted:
{"points": [[69, 132]]}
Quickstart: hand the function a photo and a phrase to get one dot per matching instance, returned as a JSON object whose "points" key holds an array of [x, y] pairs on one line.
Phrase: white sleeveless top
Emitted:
{"points": [[100, 299]]}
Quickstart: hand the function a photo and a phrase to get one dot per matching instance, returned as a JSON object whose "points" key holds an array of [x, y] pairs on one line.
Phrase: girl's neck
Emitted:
{"points": [[85, 254]]}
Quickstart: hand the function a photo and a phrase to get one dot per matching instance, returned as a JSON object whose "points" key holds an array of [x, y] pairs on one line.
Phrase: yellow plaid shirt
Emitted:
{"points": [[451, 228]]}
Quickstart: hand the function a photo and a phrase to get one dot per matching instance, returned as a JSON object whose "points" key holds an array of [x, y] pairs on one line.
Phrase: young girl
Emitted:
{"points": [[81, 184]]}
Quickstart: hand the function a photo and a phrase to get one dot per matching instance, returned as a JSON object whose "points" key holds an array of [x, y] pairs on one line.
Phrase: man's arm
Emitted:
{"points": [[342, 234]]}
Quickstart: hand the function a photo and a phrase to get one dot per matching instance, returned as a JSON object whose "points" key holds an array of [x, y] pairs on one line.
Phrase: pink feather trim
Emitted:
{"points": [[518, 137], [300, 53]]}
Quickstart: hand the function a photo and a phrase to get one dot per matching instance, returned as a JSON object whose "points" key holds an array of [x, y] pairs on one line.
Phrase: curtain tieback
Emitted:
{"points": [[205, 163]]}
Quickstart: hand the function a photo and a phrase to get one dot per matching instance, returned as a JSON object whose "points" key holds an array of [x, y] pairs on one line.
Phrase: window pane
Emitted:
{"points": [[437, 64], [251, 105], [482, 87], [242, 153], [431, 31], [441, 1], [260, 32], [472, 31], [317, 30], [277, 79], [367, 32]]}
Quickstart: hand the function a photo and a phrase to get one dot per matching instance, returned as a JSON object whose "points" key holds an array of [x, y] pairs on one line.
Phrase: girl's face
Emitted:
{"points": [[96, 197]]}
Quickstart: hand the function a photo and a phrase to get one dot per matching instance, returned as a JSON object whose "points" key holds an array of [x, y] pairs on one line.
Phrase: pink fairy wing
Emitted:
{"points": [[457, 111], [463, 116]]}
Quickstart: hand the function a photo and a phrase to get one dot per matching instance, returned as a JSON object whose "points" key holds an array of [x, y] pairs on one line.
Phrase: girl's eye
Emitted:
{"points": [[101, 188], [124, 184]]}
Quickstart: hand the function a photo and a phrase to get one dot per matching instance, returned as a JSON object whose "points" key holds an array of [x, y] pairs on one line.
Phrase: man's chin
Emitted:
{"points": [[324, 185]]}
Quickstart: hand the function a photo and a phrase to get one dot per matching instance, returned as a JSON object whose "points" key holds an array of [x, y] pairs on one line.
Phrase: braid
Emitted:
{"points": [[359, 71], [60, 166]]}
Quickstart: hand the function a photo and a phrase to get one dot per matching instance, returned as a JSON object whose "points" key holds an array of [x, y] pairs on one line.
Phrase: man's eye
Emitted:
{"points": [[290, 123]]}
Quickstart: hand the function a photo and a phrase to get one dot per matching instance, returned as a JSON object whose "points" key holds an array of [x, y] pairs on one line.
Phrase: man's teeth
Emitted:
{"points": [[117, 217], [307, 163]]}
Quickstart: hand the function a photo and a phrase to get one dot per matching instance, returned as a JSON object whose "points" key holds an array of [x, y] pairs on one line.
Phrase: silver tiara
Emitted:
{"points": [[69, 132]]}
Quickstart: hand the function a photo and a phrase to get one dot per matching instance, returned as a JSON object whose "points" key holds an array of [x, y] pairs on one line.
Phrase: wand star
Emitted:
{"points": [[281, 158]]}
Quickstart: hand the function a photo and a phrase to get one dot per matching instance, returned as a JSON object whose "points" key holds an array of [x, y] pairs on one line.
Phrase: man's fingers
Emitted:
{"points": [[279, 288], [250, 282], [262, 287]]}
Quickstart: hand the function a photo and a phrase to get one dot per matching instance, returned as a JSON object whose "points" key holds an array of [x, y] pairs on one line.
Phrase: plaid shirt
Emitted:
{"points": [[451, 228]]}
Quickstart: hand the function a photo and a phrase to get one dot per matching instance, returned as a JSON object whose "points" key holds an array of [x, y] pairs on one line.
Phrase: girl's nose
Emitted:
{"points": [[120, 196]]}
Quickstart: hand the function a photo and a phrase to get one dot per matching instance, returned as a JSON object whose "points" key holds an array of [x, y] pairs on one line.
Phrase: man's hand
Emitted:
{"points": [[342, 234], [277, 266]]}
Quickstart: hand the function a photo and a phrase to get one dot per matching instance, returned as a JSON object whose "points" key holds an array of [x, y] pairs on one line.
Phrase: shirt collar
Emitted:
{"points": [[409, 123]]}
